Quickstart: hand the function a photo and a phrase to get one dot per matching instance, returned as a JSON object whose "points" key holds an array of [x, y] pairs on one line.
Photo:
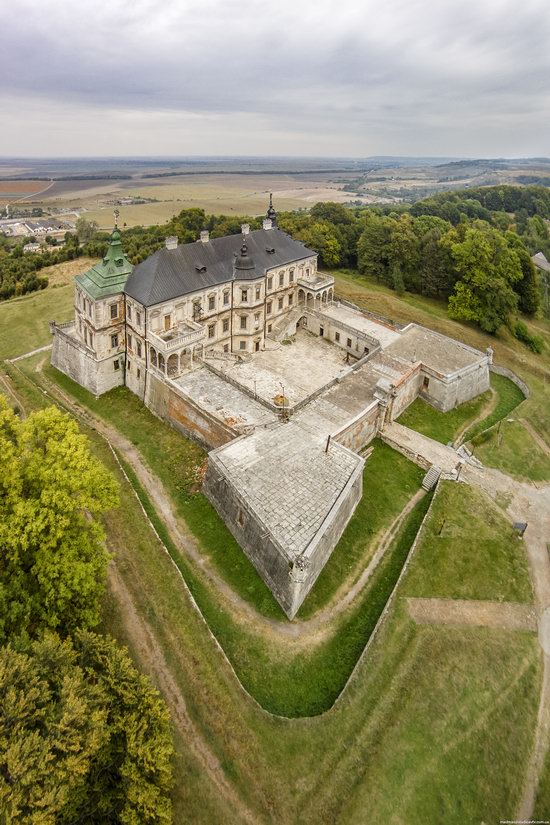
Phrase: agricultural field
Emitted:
{"points": [[318, 720]]}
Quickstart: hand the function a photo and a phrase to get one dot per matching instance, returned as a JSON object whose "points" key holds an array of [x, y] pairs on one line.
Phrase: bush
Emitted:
{"points": [[534, 342]]}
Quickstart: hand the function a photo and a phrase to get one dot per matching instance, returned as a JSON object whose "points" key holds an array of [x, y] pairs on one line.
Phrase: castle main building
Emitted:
{"points": [[223, 293]]}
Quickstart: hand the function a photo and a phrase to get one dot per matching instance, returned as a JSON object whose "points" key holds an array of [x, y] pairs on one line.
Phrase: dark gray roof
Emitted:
{"points": [[169, 273]]}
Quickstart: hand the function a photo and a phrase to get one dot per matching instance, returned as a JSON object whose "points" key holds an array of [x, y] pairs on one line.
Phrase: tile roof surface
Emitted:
{"points": [[191, 267]]}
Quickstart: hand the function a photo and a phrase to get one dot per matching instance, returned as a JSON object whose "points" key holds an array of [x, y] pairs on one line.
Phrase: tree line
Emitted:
{"points": [[469, 247], [84, 737]]}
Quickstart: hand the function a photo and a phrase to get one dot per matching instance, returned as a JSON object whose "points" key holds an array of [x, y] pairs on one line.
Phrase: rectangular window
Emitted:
{"points": [[290, 299], [269, 307], [139, 349], [307, 273], [211, 302], [138, 373], [129, 366], [114, 341], [270, 283], [257, 318], [114, 311], [226, 324], [244, 295], [243, 321], [225, 298], [269, 327], [281, 278], [336, 336], [138, 318], [426, 383], [129, 312], [167, 322], [91, 340], [280, 303], [85, 335], [116, 365], [242, 345], [321, 331], [129, 340], [348, 342], [211, 330], [226, 347], [291, 276], [258, 293]]}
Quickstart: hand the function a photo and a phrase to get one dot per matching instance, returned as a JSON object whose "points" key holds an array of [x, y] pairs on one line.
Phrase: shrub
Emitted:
{"points": [[534, 342]]}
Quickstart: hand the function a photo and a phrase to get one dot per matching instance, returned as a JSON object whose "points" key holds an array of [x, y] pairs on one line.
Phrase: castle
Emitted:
{"points": [[240, 344]]}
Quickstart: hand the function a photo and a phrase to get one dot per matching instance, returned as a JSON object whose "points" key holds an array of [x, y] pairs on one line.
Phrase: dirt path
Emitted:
{"points": [[10, 392], [498, 615], [538, 438], [153, 661]]}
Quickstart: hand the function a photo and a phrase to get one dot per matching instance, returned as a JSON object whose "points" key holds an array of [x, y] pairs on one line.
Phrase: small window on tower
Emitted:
{"points": [[211, 302], [114, 341], [139, 349], [114, 311]]}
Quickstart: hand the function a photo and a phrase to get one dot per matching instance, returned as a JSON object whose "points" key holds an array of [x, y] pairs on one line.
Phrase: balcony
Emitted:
{"points": [[185, 335], [317, 282]]}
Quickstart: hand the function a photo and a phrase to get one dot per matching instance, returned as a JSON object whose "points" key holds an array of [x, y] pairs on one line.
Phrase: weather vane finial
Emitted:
{"points": [[116, 213]]}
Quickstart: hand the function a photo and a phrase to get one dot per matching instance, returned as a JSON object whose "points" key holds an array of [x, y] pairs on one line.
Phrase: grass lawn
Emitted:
{"points": [[24, 322], [468, 550], [443, 427], [511, 448]]}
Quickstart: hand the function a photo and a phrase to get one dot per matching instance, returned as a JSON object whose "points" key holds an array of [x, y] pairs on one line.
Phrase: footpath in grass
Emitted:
{"points": [[509, 397], [469, 550], [389, 481]]}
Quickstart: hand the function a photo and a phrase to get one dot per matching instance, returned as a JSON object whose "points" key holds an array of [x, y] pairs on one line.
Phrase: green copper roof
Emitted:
{"points": [[109, 276]]}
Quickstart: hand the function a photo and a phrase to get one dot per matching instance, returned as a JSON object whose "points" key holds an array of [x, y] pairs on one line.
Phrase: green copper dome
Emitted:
{"points": [[109, 276]]}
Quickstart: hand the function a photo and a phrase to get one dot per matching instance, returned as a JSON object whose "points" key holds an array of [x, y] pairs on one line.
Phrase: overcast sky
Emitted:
{"points": [[286, 77]]}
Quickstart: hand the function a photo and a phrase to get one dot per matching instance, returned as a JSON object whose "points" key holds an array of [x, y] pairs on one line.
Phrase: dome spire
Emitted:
{"points": [[243, 259], [271, 213]]}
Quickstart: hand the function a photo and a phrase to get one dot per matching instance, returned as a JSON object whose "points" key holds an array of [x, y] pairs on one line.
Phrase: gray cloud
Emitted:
{"points": [[354, 77]]}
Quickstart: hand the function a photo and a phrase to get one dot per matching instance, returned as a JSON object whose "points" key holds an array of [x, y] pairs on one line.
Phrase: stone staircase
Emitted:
{"points": [[431, 478], [286, 325]]}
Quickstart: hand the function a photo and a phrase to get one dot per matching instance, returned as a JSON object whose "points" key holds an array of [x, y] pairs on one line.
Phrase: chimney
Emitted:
{"points": [[268, 223], [205, 236], [171, 242], [245, 228]]}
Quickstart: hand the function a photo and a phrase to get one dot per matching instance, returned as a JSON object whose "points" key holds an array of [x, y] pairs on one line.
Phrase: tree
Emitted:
{"points": [[53, 561], [397, 279], [528, 287], [438, 274], [86, 229], [488, 270], [405, 252], [373, 251], [83, 736]]}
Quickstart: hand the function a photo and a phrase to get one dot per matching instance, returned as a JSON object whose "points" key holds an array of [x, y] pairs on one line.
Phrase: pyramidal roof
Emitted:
{"points": [[109, 276]]}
